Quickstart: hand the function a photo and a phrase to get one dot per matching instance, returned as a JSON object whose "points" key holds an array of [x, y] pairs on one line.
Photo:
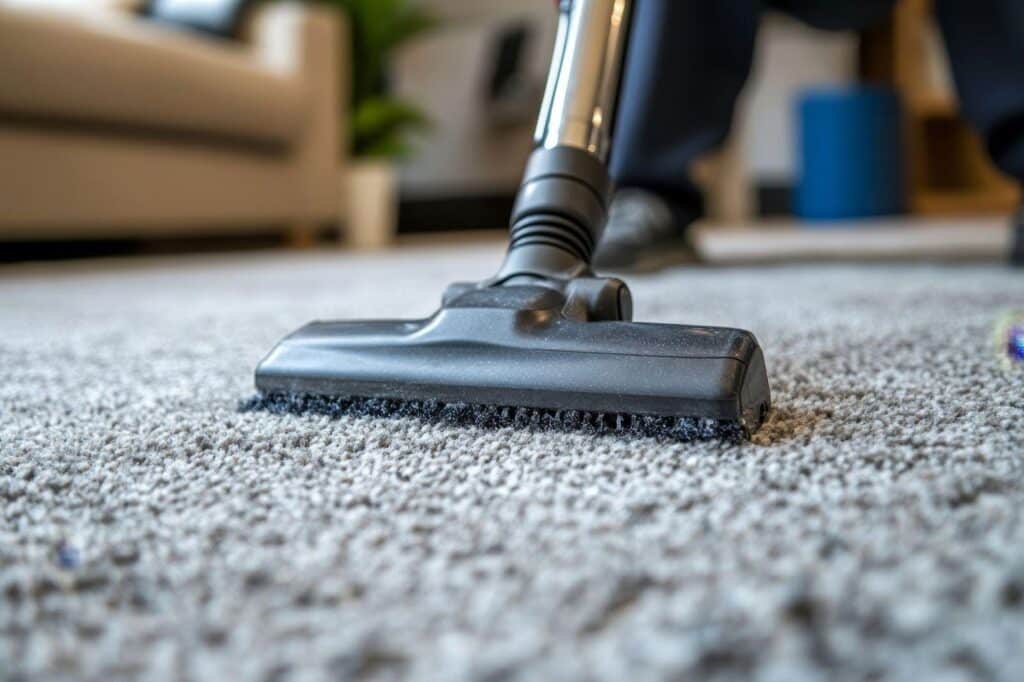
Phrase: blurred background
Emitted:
{"points": [[153, 126]]}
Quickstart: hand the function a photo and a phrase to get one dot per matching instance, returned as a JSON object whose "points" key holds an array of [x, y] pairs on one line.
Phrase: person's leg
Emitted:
{"points": [[836, 15], [985, 41], [686, 64]]}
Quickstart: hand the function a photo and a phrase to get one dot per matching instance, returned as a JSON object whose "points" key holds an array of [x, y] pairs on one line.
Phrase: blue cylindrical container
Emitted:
{"points": [[851, 153]]}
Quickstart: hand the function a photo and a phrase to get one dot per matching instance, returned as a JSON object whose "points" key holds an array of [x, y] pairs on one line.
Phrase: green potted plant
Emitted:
{"points": [[382, 125]]}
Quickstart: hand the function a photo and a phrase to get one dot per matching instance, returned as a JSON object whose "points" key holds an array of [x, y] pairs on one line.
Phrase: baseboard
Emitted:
{"points": [[76, 249], [455, 213], [899, 238], [491, 210], [774, 199]]}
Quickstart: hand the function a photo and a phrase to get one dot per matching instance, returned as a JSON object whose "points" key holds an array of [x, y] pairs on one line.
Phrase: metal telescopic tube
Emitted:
{"points": [[562, 206], [583, 84]]}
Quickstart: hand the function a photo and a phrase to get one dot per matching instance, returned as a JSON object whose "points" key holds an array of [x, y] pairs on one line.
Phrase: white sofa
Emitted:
{"points": [[111, 126]]}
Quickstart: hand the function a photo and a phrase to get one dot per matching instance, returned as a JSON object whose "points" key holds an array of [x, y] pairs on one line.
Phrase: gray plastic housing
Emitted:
{"points": [[525, 352]]}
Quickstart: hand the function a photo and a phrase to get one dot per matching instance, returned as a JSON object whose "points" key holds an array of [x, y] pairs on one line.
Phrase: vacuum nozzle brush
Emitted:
{"points": [[526, 364], [545, 342]]}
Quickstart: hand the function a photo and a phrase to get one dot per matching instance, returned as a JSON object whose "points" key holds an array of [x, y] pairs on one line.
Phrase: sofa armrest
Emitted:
{"points": [[292, 37]]}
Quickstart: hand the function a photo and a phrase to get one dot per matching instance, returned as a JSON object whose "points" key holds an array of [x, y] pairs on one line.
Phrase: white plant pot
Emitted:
{"points": [[372, 204]]}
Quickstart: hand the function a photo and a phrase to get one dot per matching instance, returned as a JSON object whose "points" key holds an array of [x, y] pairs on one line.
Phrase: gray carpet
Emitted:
{"points": [[873, 530]]}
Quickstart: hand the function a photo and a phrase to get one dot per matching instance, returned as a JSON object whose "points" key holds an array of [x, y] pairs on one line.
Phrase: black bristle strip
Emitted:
{"points": [[684, 429]]}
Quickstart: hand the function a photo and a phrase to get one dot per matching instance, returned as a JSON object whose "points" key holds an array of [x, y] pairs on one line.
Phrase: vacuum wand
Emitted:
{"points": [[562, 205], [583, 84], [545, 343]]}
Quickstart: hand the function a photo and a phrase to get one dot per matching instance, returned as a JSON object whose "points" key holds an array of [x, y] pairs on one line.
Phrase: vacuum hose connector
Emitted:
{"points": [[562, 205], [559, 215]]}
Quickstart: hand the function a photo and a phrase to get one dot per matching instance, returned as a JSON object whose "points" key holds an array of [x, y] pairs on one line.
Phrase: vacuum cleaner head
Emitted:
{"points": [[545, 342], [512, 356]]}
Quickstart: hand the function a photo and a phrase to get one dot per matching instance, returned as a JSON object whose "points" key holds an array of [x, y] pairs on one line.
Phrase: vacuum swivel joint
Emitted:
{"points": [[557, 222], [559, 215]]}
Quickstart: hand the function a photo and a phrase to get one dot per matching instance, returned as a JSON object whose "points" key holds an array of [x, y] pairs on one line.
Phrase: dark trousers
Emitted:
{"points": [[689, 59]]}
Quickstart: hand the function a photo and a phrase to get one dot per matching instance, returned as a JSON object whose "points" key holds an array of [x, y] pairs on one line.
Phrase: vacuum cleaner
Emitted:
{"points": [[545, 342]]}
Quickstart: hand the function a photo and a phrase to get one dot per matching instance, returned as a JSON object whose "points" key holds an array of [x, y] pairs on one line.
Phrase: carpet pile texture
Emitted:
{"points": [[874, 528]]}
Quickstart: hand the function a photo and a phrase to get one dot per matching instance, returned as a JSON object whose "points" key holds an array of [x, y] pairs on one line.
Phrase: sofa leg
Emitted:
{"points": [[302, 235]]}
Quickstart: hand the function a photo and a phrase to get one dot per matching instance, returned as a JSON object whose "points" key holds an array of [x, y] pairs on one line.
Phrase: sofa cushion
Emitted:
{"points": [[76, 5], [106, 68]]}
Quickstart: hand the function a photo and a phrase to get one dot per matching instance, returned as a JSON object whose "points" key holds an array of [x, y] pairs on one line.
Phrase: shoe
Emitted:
{"points": [[644, 233]]}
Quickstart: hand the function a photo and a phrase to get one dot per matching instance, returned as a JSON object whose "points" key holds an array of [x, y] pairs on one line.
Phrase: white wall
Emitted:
{"points": [[446, 71], [790, 58]]}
